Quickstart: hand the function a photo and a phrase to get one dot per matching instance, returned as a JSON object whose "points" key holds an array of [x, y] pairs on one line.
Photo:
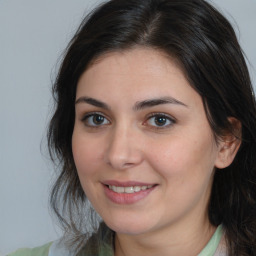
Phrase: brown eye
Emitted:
{"points": [[160, 121], [95, 120]]}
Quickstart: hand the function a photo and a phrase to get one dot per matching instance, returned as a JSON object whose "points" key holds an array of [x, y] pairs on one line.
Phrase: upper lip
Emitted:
{"points": [[126, 183]]}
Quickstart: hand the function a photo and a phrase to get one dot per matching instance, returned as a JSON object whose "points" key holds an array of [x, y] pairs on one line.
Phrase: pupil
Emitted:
{"points": [[160, 120], [98, 119]]}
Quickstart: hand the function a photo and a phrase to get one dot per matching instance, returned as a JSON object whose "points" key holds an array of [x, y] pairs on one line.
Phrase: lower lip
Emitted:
{"points": [[125, 198]]}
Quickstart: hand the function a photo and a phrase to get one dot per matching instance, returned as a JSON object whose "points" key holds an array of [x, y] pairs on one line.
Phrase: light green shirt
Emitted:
{"points": [[106, 249], [212, 245], [38, 251]]}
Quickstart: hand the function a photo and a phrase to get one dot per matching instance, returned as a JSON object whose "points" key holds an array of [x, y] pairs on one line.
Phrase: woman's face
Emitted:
{"points": [[142, 145]]}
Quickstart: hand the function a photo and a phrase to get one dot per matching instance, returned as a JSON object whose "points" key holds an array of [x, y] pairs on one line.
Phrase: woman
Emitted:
{"points": [[155, 126]]}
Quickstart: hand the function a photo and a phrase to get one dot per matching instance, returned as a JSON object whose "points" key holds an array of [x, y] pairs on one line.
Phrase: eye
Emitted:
{"points": [[95, 120], [160, 121]]}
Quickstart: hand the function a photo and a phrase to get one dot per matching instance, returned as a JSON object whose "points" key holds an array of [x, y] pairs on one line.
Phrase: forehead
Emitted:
{"points": [[138, 73], [138, 60]]}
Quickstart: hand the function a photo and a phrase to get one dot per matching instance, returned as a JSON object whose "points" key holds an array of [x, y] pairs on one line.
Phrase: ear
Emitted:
{"points": [[229, 144]]}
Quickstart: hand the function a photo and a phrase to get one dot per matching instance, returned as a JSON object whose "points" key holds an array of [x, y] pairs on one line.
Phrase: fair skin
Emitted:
{"points": [[139, 122]]}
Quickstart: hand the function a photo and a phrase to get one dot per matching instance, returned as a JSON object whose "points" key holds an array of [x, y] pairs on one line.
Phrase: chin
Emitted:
{"points": [[130, 226]]}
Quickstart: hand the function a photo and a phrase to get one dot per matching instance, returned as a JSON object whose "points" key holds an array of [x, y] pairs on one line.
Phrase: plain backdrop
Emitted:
{"points": [[33, 35]]}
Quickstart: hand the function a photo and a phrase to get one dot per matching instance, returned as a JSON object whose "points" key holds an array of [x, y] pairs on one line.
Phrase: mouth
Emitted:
{"points": [[129, 190]]}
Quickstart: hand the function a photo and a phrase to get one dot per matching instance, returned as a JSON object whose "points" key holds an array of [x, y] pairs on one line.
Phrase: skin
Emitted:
{"points": [[178, 156]]}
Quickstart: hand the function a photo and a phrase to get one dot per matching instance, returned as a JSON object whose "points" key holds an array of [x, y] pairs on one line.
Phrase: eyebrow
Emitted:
{"points": [[138, 105], [158, 101], [93, 102]]}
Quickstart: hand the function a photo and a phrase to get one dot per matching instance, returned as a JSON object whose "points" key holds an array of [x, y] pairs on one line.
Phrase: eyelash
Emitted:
{"points": [[93, 115], [167, 118]]}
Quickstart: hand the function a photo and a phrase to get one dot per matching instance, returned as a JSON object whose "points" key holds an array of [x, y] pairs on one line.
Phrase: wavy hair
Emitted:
{"points": [[205, 45]]}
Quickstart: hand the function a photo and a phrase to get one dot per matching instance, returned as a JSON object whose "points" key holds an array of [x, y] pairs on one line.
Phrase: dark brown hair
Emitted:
{"points": [[205, 45]]}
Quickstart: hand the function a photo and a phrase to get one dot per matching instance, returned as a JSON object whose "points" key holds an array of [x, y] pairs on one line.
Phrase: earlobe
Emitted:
{"points": [[229, 144]]}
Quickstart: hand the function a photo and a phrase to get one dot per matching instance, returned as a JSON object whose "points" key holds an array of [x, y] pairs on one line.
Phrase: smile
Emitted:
{"points": [[129, 190]]}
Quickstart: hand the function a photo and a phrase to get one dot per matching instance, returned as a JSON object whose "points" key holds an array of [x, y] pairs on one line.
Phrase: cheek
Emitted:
{"points": [[183, 155], [86, 154], [185, 167]]}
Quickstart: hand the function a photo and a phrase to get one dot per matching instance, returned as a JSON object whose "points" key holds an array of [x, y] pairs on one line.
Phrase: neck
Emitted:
{"points": [[175, 240]]}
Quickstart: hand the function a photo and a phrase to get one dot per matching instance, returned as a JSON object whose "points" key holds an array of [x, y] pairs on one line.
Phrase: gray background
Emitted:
{"points": [[33, 35]]}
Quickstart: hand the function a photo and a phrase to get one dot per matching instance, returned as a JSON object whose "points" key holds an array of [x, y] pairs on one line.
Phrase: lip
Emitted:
{"points": [[125, 183], [124, 198]]}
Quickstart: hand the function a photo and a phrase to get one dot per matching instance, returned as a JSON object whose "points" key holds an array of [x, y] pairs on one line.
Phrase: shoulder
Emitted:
{"points": [[38, 251], [100, 243], [56, 248]]}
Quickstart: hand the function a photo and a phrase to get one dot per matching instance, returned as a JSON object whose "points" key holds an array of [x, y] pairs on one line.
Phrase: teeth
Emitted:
{"points": [[119, 190], [129, 190], [137, 189]]}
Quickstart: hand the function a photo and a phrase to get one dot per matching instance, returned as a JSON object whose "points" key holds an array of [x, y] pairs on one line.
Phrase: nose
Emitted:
{"points": [[124, 150]]}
